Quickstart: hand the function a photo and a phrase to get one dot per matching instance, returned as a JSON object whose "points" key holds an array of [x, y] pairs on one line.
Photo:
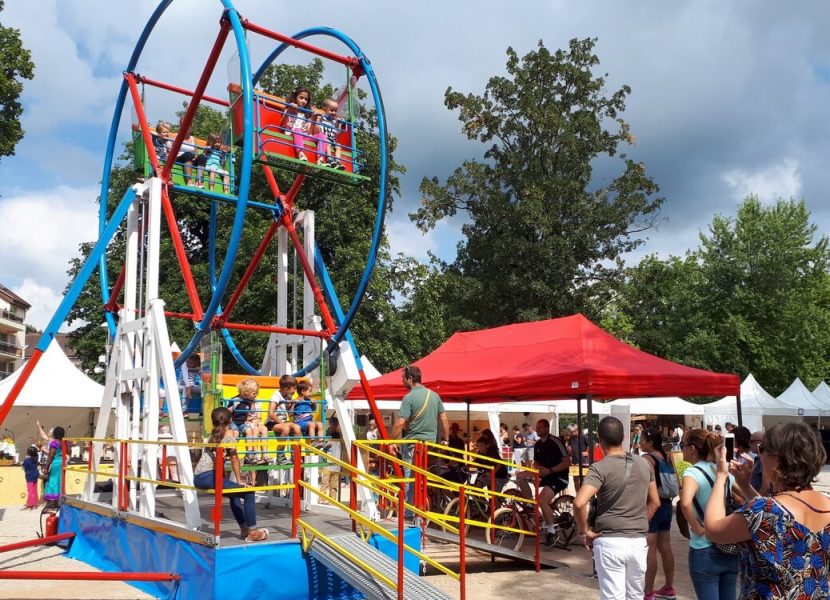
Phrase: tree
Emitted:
{"points": [[543, 237], [15, 65], [753, 298]]}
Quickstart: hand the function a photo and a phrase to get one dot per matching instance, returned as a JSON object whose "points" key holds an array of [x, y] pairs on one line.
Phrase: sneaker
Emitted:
{"points": [[648, 596], [551, 537], [302, 156], [666, 593]]}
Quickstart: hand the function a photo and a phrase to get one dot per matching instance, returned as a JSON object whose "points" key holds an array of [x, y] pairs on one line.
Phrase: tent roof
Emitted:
{"points": [[798, 396], [547, 360], [755, 400], [55, 382], [660, 406], [822, 392]]}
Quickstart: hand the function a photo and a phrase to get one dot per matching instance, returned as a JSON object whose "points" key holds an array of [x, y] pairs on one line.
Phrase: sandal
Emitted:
{"points": [[257, 535], [244, 532]]}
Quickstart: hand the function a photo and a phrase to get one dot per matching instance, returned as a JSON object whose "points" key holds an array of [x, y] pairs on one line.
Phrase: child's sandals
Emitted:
{"points": [[257, 535], [302, 156]]}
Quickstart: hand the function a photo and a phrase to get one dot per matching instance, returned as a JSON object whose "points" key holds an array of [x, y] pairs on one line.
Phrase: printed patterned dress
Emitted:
{"points": [[785, 560]]}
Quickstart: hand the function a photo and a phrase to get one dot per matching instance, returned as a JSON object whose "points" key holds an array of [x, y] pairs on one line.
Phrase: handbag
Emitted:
{"points": [[682, 523], [731, 549], [594, 511]]}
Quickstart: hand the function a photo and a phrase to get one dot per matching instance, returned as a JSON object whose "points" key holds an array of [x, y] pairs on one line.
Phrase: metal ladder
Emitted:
{"points": [[413, 586]]}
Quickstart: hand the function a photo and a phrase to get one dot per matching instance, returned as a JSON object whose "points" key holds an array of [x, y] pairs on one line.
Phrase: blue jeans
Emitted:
{"points": [[407, 452], [243, 505], [714, 574]]}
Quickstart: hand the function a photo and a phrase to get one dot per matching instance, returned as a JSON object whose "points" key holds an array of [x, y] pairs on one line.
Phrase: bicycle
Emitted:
{"points": [[477, 506], [520, 515]]}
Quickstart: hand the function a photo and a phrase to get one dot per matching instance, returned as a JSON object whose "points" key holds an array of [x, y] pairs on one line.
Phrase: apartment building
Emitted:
{"points": [[12, 330]]}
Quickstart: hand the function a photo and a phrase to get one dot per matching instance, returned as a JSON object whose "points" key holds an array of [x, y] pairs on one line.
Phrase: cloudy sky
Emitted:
{"points": [[727, 99]]}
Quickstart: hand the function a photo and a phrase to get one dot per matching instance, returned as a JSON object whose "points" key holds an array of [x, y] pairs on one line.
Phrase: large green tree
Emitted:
{"points": [[542, 236], [753, 298], [15, 66]]}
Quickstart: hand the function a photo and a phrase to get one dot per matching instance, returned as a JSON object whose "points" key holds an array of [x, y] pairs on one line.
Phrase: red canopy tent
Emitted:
{"points": [[558, 358]]}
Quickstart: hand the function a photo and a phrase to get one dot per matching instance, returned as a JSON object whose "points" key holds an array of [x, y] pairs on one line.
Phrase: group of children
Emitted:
{"points": [[293, 398], [212, 159], [304, 123]]}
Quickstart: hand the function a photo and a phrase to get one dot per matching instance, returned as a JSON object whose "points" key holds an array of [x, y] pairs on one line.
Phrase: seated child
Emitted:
{"points": [[163, 142], [278, 409], [328, 127], [303, 411], [215, 157], [245, 421]]}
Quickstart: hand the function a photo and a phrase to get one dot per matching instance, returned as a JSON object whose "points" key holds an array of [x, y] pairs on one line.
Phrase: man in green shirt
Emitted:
{"points": [[421, 412]]}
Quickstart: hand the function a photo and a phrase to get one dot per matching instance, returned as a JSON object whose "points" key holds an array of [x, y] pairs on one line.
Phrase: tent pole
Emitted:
{"points": [[470, 439], [590, 430], [738, 408], [579, 437]]}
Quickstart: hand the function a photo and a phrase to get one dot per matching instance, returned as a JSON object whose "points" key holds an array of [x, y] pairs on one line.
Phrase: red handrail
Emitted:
{"points": [[49, 539], [298, 476], [462, 538], [353, 487], [401, 526], [89, 576]]}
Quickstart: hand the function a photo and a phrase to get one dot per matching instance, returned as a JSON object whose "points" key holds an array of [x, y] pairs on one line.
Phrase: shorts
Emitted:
{"points": [[240, 429], [556, 486], [303, 426], [661, 521]]}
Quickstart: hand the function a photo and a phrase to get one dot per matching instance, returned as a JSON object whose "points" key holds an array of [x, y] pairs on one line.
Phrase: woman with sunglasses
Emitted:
{"points": [[787, 533], [714, 574]]}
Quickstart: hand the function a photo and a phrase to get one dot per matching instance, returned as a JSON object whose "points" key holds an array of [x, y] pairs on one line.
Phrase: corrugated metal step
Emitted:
{"points": [[414, 587]]}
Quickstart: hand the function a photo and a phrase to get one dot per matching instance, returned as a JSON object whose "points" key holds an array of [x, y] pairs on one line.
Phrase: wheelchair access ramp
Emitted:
{"points": [[439, 535], [413, 586]]}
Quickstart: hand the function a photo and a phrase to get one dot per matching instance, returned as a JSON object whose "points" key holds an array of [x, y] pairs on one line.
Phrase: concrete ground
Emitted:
{"points": [[498, 580]]}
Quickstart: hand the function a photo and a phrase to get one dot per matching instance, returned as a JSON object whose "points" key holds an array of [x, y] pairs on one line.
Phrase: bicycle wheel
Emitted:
{"points": [[563, 514], [506, 516], [452, 510]]}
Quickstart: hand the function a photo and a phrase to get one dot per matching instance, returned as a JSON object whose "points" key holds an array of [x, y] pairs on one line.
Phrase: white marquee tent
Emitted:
{"points": [[822, 392], [798, 396], [57, 393], [660, 406], [759, 408]]}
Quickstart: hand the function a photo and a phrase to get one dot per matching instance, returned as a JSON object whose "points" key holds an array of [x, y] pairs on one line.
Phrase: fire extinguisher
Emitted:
{"points": [[51, 526]]}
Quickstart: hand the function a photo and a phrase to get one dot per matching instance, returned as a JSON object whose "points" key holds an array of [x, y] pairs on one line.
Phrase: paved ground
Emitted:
{"points": [[497, 580]]}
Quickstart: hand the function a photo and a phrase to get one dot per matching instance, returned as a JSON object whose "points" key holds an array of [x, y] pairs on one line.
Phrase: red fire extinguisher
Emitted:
{"points": [[51, 525]]}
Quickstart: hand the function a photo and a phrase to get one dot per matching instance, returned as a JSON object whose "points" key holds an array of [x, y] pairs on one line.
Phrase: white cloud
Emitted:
{"points": [[781, 180], [42, 231], [407, 239], [44, 301]]}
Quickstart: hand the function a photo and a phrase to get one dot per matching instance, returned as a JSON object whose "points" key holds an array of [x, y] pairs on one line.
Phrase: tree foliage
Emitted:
{"points": [[753, 298], [15, 65], [542, 236]]}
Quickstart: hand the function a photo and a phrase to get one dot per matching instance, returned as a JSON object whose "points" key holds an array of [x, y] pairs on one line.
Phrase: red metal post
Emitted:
{"points": [[112, 304], [122, 477], [179, 90], [345, 60], [298, 477], [187, 119], [50, 539], [270, 329], [28, 367], [64, 448], [218, 481], [462, 538], [89, 576], [249, 272], [144, 124], [163, 463], [401, 526], [181, 255]]}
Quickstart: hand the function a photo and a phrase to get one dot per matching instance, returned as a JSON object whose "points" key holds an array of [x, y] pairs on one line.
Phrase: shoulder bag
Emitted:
{"points": [[731, 549], [595, 510]]}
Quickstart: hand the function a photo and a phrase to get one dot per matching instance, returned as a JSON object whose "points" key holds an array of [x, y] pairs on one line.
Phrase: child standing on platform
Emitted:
{"points": [[31, 473]]}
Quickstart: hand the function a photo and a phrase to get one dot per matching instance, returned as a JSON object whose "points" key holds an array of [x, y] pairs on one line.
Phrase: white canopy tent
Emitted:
{"points": [[660, 406], [798, 396], [57, 393], [822, 392], [759, 408]]}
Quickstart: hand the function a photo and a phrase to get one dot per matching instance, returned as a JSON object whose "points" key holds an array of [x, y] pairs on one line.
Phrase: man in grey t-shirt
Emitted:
{"points": [[626, 499]]}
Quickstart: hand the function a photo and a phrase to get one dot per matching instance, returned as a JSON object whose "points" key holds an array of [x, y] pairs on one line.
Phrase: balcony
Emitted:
{"points": [[9, 349], [10, 321]]}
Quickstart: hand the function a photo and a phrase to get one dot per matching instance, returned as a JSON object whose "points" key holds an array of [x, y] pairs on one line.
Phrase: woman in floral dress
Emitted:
{"points": [[787, 534]]}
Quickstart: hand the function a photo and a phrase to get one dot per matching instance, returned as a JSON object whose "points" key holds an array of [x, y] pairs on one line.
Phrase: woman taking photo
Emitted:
{"points": [[714, 573], [786, 534], [650, 443]]}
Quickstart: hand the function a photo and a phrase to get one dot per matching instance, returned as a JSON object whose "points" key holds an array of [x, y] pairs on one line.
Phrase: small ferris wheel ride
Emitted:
{"points": [[260, 138]]}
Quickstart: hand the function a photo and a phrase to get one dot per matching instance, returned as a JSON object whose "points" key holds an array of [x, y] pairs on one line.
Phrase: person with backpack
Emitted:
{"points": [[713, 569], [659, 526]]}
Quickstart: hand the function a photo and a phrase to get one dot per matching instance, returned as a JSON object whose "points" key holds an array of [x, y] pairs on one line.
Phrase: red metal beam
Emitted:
{"points": [[178, 246], [288, 222], [273, 329], [143, 123], [249, 272], [281, 37], [187, 119], [112, 305], [49, 539], [179, 90], [28, 367], [89, 576]]}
